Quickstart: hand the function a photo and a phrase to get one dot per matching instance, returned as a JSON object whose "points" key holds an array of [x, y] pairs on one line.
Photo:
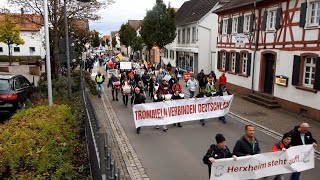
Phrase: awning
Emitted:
{"points": [[186, 49]]}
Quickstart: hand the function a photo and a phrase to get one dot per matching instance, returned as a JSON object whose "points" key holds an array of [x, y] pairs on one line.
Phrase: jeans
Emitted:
{"points": [[295, 176], [99, 89], [191, 94], [125, 99]]}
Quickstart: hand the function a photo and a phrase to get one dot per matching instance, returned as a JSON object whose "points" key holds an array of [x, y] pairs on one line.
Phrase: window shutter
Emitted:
{"points": [[221, 26], [316, 84], [229, 25], [240, 24], [303, 13], [219, 60], [237, 68], [296, 70], [278, 18], [227, 61], [249, 64], [265, 16], [251, 22]]}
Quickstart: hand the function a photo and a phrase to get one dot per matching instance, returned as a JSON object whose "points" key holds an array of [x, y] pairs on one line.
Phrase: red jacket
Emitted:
{"points": [[278, 147], [164, 88], [176, 87], [222, 80]]}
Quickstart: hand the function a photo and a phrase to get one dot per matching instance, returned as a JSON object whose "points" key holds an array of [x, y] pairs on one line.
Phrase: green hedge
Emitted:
{"points": [[4, 58], [38, 143]]}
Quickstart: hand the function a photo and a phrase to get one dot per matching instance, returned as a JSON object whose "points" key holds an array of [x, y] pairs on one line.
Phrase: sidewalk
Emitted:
{"points": [[278, 120]]}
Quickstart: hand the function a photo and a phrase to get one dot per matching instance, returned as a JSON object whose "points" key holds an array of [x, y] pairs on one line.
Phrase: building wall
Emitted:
{"points": [[31, 39]]}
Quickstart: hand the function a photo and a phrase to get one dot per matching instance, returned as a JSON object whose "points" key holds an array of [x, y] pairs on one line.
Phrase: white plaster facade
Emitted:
{"points": [[33, 40]]}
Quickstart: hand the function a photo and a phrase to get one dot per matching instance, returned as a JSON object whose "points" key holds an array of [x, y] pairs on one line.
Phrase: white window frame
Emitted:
{"points": [[223, 60], [317, 14], [225, 26], [233, 61], [271, 18], [194, 34], [188, 35], [312, 66], [235, 21], [246, 23], [244, 65]]}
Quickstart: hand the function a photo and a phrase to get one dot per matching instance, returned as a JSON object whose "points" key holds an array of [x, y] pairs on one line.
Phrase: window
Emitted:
{"points": [[32, 49], [314, 13], [244, 63], [271, 23], [225, 26], [309, 71], [223, 62], [246, 23], [233, 62], [235, 25], [1, 49], [179, 37], [194, 34], [16, 49], [171, 54], [188, 35], [183, 36]]}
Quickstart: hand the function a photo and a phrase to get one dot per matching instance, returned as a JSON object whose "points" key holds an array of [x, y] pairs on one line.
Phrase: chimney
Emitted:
{"points": [[22, 16], [22, 11]]}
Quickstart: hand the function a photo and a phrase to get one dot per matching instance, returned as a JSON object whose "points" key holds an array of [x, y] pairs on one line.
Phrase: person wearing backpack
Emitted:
{"points": [[217, 151]]}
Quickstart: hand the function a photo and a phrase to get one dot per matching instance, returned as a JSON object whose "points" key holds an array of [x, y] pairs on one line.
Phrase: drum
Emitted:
{"points": [[167, 97], [117, 83], [181, 95]]}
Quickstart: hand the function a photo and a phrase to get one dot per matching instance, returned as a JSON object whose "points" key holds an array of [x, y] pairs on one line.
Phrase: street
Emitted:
{"points": [[177, 154]]}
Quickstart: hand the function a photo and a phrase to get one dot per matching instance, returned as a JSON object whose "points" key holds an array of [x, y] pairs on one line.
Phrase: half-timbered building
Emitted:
{"points": [[270, 51]]}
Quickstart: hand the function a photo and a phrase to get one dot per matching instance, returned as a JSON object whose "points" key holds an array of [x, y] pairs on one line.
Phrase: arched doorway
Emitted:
{"points": [[267, 72]]}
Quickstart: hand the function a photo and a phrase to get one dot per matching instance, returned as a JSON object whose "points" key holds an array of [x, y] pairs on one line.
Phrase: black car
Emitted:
{"points": [[15, 91]]}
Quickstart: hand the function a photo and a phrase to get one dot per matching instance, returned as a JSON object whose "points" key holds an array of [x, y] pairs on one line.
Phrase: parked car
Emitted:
{"points": [[15, 91]]}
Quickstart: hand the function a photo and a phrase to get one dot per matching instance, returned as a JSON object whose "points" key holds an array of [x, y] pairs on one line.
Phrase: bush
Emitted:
{"points": [[4, 58], [39, 143], [91, 84]]}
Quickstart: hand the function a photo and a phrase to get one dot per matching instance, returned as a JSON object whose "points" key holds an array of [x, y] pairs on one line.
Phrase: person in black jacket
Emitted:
{"points": [[114, 87], [300, 135], [138, 98], [202, 94], [217, 151], [247, 144], [175, 96]]}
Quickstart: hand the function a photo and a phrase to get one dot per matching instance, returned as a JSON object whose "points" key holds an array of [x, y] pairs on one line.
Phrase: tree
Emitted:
{"points": [[159, 25], [107, 42], [96, 40], [10, 33], [137, 44], [127, 34], [75, 10], [103, 43], [114, 42]]}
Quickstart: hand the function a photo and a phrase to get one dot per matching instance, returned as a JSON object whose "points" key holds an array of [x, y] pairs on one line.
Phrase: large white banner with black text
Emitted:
{"points": [[294, 159], [175, 111]]}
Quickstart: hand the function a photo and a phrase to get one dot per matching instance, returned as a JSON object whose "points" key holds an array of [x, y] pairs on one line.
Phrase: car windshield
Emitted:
{"points": [[4, 84]]}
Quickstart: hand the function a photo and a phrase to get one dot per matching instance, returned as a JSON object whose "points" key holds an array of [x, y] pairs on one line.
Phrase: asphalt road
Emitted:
{"points": [[177, 154]]}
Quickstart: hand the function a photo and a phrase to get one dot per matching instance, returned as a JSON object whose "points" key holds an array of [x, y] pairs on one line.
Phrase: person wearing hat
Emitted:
{"points": [[300, 135], [284, 144], [217, 151]]}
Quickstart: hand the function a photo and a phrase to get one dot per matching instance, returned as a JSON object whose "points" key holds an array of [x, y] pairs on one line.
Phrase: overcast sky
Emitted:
{"points": [[120, 12], [123, 10]]}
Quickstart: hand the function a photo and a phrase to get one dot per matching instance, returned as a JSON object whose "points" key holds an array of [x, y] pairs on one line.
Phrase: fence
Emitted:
{"points": [[102, 166]]}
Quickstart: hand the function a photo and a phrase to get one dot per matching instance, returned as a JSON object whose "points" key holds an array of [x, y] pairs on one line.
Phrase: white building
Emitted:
{"points": [[194, 47], [272, 48], [32, 32]]}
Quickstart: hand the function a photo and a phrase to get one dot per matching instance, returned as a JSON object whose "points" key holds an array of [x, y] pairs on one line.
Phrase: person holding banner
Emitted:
{"points": [[301, 136], [223, 92], [217, 151], [176, 87], [210, 88], [115, 86], [247, 144], [137, 98], [284, 144], [202, 94], [158, 98], [175, 96]]}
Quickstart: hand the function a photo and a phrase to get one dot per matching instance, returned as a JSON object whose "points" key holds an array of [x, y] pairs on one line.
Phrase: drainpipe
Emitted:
{"points": [[257, 36]]}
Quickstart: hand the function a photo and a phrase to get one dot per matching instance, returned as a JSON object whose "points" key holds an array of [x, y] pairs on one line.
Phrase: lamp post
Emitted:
{"points": [[48, 65], [66, 29]]}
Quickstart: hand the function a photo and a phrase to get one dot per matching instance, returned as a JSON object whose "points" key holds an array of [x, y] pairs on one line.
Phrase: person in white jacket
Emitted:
{"points": [[192, 84]]}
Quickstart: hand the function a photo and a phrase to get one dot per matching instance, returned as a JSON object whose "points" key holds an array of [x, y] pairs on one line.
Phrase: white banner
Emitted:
{"points": [[112, 71], [294, 159], [169, 112], [125, 65]]}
